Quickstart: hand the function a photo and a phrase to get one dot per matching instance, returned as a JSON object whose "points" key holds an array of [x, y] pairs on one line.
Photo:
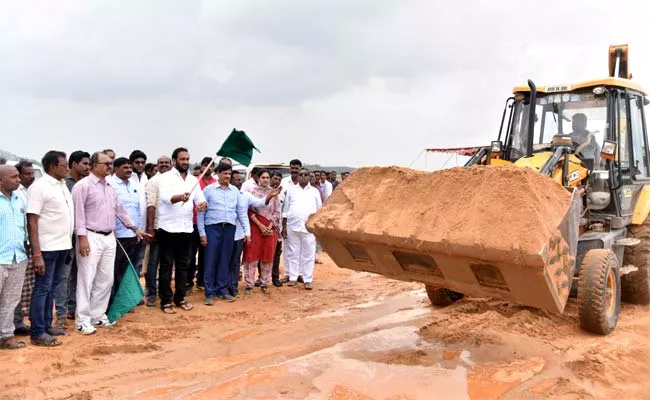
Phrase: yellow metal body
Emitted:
{"points": [[620, 77], [563, 88], [642, 206], [578, 172]]}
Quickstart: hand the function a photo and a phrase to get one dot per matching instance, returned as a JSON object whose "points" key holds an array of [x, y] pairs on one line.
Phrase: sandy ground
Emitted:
{"points": [[356, 336]]}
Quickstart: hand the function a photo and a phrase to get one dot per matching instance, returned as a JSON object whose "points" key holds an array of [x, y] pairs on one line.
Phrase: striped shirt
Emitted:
{"points": [[96, 205]]}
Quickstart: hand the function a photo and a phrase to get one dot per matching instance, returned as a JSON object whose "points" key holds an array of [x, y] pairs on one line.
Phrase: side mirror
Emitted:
{"points": [[608, 152]]}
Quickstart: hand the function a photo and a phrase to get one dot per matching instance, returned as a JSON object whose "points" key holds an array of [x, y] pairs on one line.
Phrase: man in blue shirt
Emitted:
{"points": [[227, 206], [128, 193], [13, 257]]}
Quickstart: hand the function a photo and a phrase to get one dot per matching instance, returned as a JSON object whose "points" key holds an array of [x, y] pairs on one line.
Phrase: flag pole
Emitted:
{"points": [[201, 176]]}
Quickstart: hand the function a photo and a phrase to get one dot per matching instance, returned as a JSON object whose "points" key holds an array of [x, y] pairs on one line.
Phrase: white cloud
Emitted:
{"points": [[354, 82]]}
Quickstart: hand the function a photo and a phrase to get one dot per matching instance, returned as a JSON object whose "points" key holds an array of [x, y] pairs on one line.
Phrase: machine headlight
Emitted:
{"points": [[495, 147], [609, 150], [599, 90]]}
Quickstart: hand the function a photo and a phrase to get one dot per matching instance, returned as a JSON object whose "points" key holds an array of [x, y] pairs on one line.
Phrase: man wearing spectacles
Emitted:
{"points": [[96, 207], [139, 180], [301, 202], [50, 222]]}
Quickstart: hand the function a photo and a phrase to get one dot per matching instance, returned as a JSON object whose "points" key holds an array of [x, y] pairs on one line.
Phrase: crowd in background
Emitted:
{"points": [[68, 238]]}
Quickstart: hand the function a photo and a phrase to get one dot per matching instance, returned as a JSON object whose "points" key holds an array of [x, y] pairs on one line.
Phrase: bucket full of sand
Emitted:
{"points": [[499, 231]]}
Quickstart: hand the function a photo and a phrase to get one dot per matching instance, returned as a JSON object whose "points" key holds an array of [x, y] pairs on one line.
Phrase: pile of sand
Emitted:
{"points": [[491, 207]]}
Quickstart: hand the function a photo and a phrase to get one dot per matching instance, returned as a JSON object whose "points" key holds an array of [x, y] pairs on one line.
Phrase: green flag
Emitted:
{"points": [[239, 147], [128, 295]]}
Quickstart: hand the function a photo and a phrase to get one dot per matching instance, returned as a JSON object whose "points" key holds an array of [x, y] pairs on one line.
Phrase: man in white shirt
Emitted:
{"points": [[328, 185], [179, 191], [299, 204], [139, 160], [288, 182], [251, 183], [50, 224]]}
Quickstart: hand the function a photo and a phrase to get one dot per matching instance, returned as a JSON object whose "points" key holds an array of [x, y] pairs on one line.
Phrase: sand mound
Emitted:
{"points": [[495, 207]]}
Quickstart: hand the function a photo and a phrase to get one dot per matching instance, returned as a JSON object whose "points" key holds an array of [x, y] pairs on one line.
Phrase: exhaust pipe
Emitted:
{"points": [[531, 118]]}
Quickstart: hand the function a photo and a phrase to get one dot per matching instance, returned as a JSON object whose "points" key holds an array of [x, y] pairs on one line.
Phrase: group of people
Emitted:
{"points": [[68, 238]]}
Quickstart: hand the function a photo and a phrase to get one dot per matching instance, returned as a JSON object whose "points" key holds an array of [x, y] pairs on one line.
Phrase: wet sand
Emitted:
{"points": [[355, 336]]}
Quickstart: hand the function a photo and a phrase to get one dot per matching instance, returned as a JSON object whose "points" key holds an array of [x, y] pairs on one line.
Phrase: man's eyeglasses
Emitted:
{"points": [[138, 162], [108, 164], [303, 174]]}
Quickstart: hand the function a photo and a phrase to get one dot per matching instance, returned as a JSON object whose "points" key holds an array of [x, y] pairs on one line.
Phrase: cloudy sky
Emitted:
{"points": [[366, 82]]}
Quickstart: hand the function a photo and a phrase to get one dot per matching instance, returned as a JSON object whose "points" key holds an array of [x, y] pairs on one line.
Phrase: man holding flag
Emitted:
{"points": [[178, 194]]}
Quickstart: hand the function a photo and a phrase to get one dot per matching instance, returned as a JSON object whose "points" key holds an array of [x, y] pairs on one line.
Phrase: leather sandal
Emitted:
{"points": [[46, 340], [11, 343], [168, 309], [185, 305]]}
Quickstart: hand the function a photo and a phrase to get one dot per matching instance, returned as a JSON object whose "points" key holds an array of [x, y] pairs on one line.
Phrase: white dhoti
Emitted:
{"points": [[301, 255]]}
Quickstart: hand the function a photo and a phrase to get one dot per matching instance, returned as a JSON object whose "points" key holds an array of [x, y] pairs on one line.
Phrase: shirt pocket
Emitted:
{"points": [[231, 203], [95, 200]]}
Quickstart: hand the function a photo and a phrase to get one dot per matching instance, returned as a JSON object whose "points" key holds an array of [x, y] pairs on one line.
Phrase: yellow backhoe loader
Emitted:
{"points": [[590, 137]]}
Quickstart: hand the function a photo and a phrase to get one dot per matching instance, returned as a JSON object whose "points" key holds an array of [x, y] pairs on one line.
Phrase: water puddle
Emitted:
{"points": [[369, 304], [400, 316], [328, 314], [392, 362]]}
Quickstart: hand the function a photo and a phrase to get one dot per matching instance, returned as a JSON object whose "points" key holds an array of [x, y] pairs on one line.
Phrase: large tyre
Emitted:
{"points": [[442, 297], [635, 286], [599, 292]]}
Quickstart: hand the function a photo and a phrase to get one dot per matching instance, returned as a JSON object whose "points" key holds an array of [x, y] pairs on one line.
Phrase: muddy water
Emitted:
{"points": [[380, 356]]}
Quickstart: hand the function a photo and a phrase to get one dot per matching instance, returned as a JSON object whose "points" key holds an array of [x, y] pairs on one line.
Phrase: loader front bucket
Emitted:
{"points": [[491, 231]]}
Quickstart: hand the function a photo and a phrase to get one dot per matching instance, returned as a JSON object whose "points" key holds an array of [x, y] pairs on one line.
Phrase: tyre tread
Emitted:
{"points": [[592, 283]]}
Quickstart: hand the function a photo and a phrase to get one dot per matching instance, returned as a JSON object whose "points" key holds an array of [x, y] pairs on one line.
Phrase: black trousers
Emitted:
{"points": [[174, 248], [122, 262], [275, 274], [197, 268]]}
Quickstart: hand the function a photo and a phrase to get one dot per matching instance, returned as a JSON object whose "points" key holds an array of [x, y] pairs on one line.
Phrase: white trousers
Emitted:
{"points": [[95, 278], [302, 254], [285, 255], [12, 277]]}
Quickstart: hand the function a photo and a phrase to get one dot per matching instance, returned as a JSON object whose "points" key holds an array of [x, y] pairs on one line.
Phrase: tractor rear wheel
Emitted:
{"points": [[599, 292], [442, 297], [636, 285]]}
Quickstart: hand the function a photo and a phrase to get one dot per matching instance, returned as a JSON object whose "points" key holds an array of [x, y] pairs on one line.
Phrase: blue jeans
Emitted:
{"points": [[152, 270], [235, 265], [217, 258], [72, 282], [61, 291], [72, 286], [40, 311]]}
